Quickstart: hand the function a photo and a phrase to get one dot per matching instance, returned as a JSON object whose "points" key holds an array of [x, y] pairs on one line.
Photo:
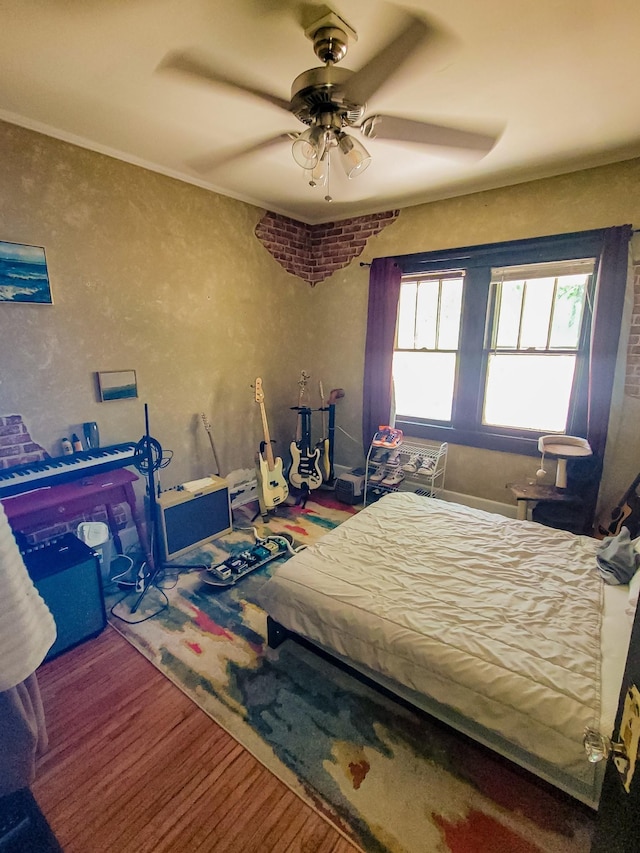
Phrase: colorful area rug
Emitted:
{"points": [[389, 778]]}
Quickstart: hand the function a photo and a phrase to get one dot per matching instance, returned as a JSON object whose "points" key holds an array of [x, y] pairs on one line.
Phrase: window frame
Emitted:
{"points": [[466, 426]]}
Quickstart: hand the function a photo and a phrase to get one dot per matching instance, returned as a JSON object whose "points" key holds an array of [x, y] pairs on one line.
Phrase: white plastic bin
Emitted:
{"points": [[95, 534]]}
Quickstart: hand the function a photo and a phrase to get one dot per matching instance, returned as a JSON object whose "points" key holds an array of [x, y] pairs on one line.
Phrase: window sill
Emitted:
{"points": [[521, 445]]}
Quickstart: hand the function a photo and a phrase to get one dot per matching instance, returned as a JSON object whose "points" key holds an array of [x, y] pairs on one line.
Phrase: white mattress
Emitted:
{"points": [[500, 620]]}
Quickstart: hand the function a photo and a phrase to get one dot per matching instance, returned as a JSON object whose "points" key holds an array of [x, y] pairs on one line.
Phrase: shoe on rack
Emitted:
{"points": [[380, 455], [412, 465], [394, 478], [394, 459], [426, 467], [387, 437], [381, 436], [378, 475]]}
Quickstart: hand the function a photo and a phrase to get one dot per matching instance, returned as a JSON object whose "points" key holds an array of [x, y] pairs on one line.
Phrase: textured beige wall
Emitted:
{"points": [[594, 198], [147, 273], [160, 276]]}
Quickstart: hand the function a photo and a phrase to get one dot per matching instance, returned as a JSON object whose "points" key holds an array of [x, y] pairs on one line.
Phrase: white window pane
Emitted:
{"points": [[407, 315], [510, 293], [450, 307], [423, 384], [538, 299], [528, 392], [427, 314], [567, 313]]}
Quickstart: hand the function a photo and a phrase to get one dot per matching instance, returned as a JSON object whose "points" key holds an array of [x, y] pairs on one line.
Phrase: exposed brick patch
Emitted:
{"points": [[314, 252], [16, 445], [43, 533], [632, 377]]}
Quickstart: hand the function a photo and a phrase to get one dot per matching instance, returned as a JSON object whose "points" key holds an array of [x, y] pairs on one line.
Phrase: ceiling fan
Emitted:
{"points": [[330, 99]]}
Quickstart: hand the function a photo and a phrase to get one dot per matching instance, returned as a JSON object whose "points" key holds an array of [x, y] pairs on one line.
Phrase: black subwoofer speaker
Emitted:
{"points": [[66, 573]]}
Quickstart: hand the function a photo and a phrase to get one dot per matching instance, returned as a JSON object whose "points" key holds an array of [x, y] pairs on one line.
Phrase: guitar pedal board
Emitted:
{"points": [[234, 568]]}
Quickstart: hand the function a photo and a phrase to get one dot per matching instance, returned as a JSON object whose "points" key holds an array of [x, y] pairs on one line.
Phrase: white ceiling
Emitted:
{"points": [[561, 77]]}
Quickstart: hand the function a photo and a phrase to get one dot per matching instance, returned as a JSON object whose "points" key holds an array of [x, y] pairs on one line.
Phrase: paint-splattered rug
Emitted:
{"points": [[391, 779]]}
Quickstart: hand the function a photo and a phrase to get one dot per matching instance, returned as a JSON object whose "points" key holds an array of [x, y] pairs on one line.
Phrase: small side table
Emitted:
{"points": [[526, 493]]}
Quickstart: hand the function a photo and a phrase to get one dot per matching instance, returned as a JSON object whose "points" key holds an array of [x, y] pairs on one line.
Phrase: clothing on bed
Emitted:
{"points": [[617, 559]]}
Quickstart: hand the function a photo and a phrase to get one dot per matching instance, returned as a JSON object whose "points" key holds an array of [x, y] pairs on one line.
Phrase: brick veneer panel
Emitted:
{"points": [[632, 379], [18, 448], [314, 252], [16, 445]]}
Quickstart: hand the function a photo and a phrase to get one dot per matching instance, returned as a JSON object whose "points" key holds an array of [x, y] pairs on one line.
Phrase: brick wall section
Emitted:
{"points": [[632, 380], [17, 448], [314, 252]]}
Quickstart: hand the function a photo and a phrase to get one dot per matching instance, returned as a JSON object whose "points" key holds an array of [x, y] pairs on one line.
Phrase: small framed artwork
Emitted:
{"points": [[23, 274], [117, 385]]}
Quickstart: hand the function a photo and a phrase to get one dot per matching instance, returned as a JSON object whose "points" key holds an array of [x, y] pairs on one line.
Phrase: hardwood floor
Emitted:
{"points": [[134, 766]]}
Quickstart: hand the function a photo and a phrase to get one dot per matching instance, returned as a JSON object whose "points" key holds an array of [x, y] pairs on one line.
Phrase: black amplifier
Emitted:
{"points": [[66, 573]]}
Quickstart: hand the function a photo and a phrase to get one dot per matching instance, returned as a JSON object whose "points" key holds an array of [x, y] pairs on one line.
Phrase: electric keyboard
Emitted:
{"points": [[62, 469]]}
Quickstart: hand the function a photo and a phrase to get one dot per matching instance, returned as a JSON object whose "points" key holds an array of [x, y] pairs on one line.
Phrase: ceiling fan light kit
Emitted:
{"points": [[330, 100], [353, 155]]}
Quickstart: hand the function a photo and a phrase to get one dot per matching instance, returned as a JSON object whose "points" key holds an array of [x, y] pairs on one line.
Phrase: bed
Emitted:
{"points": [[504, 629]]}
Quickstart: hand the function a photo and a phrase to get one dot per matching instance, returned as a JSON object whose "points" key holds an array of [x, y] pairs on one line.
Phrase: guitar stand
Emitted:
{"points": [[331, 432], [304, 497]]}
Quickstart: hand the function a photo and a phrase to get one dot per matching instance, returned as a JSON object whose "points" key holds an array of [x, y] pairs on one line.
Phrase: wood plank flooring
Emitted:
{"points": [[134, 766]]}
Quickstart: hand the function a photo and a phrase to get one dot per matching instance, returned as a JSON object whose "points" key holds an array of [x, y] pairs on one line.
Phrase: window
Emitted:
{"points": [[535, 319], [425, 357], [535, 326], [498, 344]]}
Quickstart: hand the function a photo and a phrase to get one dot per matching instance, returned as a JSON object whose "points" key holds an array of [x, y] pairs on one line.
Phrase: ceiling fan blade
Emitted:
{"points": [[368, 79], [424, 133], [209, 162], [189, 63]]}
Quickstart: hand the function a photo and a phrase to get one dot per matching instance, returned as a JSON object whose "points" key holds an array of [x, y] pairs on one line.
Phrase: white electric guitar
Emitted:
{"points": [[305, 470], [271, 481]]}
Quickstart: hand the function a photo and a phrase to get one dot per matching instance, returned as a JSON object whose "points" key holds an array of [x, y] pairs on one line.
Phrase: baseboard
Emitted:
{"points": [[479, 503], [473, 501]]}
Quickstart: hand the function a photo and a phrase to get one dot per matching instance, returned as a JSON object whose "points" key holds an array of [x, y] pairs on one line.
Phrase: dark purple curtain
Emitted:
{"points": [[384, 293], [609, 301]]}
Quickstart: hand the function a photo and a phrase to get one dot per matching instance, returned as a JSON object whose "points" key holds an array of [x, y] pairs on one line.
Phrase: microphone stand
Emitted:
{"points": [[153, 554]]}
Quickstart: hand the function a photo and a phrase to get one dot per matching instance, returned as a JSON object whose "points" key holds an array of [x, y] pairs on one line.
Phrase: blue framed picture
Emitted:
{"points": [[23, 274]]}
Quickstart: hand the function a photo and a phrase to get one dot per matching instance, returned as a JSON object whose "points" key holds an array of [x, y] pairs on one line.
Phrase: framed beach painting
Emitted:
{"points": [[23, 274], [117, 385]]}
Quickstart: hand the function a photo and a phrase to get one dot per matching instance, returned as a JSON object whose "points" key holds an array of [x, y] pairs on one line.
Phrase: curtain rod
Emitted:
{"points": [[365, 264]]}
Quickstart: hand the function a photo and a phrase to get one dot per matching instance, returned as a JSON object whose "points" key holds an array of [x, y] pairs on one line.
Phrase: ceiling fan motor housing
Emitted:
{"points": [[330, 44], [321, 90]]}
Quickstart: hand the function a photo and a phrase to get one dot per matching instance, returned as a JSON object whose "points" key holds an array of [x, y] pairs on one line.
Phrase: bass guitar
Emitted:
{"points": [[625, 514], [271, 482], [305, 472]]}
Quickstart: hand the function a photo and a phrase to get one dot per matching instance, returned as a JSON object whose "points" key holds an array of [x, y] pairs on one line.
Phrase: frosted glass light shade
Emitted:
{"points": [[353, 155], [304, 150], [308, 149]]}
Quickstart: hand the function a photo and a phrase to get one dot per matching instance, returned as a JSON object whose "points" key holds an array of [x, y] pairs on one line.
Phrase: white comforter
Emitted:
{"points": [[496, 618]]}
